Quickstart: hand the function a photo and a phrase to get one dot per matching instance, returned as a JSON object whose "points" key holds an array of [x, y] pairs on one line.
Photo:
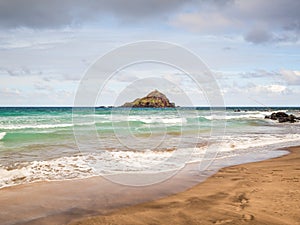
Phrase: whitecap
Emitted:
{"points": [[34, 126], [2, 134]]}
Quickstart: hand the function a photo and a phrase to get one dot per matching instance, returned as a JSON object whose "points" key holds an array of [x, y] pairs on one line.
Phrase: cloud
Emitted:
{"points": [[258, 36], [259, 21], [287, 77], [259, 73], [125, 77], [43, 87], [252, 89], [10, 92], [199, 22], [59, 13], [228, 48], [291, 77], [21, 71], [273, 88]]}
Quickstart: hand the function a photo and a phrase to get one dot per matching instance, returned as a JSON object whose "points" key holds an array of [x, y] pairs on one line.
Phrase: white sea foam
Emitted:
{"points": [[2, 134], [107, 162], [231, 143], [242, 115], [82, 166], [33, 126], [238, 116], [156, 119]]}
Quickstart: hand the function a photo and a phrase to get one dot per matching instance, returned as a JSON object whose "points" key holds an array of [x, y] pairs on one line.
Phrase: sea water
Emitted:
{"points": [[59, 143]]}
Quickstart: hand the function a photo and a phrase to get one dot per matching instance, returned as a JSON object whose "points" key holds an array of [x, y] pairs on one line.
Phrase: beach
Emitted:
{"points": [[59, 165], [266, 192]]}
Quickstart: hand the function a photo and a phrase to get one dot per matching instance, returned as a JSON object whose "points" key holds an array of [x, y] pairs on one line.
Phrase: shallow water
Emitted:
{"points": [[64, 143]]}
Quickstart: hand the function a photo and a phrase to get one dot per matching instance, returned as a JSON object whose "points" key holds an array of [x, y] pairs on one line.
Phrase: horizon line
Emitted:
{"points": [[204, 106]]}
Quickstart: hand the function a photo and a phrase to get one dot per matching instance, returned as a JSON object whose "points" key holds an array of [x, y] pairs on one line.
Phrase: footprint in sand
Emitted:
{"points": [[247, 217], [219, 222]]}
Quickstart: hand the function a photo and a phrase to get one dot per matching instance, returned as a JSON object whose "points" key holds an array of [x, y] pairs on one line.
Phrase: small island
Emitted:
{"points": [[154, 99]]}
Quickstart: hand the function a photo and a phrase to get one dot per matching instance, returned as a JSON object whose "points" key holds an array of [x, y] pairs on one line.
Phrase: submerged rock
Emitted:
{"points": [[154, 99], [282, 117]]}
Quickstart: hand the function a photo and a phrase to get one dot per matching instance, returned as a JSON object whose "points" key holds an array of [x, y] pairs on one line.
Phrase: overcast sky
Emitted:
{"points": [[252, 47]]}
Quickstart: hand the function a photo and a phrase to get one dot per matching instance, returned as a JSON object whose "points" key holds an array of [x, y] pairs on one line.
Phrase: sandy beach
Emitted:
{"points": [[266, 192]]}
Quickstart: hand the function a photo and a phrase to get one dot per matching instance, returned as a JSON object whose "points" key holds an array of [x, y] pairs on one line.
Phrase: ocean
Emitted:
{"points": [[61, 143]]}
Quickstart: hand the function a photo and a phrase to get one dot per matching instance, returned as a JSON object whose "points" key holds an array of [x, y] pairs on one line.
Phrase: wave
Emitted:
{"points": [[111, 124], [78, 166], [34, 126], [85, 165], [238, 116], [88, 164], [145, 120], [231, 117], [231, 143], [2, 135], [197, 119], [165, 120], [248, 115]]}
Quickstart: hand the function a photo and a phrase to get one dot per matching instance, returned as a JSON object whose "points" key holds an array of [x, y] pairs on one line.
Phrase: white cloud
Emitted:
{"points": [[10, 92], [274, 88], [212, 22], [260, 21], [292, 77]]}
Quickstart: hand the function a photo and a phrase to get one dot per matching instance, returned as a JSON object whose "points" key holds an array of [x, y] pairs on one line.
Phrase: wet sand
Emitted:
{"points": [[60, 202], [266, 192], [256, 193]]}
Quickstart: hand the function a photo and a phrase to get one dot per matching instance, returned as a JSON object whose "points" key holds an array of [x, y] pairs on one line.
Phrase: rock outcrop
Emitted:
{"points": [[283, 117], [154, 99]]}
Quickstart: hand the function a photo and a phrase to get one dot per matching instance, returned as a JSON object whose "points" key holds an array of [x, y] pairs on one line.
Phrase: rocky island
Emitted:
{"points": [[154, 99]]}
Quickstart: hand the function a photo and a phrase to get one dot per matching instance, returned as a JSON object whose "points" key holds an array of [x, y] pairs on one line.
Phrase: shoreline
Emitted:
{"points": [[264, 192], [61, 202]]}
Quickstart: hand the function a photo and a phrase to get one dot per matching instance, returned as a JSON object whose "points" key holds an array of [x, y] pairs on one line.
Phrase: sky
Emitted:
{"points": [[251, 47]]}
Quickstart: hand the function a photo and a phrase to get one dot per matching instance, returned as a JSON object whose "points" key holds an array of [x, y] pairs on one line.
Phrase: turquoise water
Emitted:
{"points": [[37, 142]]}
